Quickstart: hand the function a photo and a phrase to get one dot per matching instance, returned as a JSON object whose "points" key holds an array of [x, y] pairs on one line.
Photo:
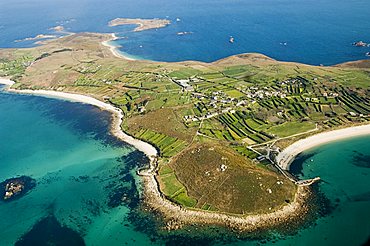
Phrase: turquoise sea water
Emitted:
{"points": [[78, 166], [345, 171], [344, 168], [310, 31]]}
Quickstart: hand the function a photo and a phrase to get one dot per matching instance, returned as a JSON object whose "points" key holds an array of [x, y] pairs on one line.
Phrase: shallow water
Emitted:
{"points": [[344, 169], [311, 31], [78, 167]]}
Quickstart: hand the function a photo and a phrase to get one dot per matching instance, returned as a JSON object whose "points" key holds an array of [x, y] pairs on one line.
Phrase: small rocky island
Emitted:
{"points": [[360, 44], [15, 188], [142, 24]]}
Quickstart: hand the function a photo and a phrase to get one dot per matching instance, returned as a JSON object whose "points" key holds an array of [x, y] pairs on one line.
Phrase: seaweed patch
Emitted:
{"points": [[49, 231]]}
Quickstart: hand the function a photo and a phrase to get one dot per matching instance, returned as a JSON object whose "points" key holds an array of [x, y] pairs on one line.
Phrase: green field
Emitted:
{"points": [[173, 189], [291, 128], [168, 146]]}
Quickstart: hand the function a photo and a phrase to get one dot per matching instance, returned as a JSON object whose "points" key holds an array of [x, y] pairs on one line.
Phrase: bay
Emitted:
{"points": [[312, 31]]}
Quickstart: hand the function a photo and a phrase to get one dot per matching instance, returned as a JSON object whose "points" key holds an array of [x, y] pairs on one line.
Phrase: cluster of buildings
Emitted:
{"points": [[217, 103], [261, 93], [185, 83]]}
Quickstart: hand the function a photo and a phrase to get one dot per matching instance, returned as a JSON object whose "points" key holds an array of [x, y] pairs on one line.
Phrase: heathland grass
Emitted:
{"points": [[241, 188], [167, 121]]}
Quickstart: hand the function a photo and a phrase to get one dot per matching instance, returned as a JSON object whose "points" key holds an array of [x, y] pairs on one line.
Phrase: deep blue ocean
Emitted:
{"points": [[310, 31]]}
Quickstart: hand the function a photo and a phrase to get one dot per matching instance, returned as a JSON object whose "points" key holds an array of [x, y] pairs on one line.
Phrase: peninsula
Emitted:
{"points": [[217, 128], [37, 37], [142, 24]]}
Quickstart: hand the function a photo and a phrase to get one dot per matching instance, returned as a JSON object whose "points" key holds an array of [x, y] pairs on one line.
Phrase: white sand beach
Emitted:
{"points": [[144, 147], [285, 158], [114, 49], [6, 82]]}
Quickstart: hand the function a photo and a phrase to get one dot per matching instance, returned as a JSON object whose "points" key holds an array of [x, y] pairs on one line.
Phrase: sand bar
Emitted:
{"points": [[286, 157], [57, 28]]}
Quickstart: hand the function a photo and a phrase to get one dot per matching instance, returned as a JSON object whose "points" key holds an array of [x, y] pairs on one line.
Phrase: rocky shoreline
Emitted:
{"points": [[176, 217], [15, 188]]}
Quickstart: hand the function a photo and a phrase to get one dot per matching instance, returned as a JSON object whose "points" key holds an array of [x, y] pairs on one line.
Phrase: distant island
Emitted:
{"points": [[215, 133], [143, 24]]}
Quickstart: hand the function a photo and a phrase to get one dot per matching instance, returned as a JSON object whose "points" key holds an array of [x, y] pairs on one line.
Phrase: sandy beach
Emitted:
{"points": [[144, 147], [6, 82], [285, 158], [114, 49]]}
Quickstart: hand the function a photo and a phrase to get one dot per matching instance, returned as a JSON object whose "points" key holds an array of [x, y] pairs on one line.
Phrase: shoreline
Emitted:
{"points": [[175, 215], [287, 156], [117, 115], [6, 82], [117, 53], [114, 49]]}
